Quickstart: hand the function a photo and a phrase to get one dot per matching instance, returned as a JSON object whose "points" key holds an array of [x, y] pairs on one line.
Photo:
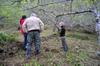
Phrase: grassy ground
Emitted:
{"points": [[82, 48]]}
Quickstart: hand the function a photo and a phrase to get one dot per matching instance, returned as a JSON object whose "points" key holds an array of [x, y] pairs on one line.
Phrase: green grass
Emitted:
{"points": [[78, 36], [32, 63], [7, 38], [81, 36], [74, 57]]}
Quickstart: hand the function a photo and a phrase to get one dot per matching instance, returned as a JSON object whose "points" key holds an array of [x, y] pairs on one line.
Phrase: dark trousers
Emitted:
{"points": [[25, 40], [33, 36], [64, 43]]}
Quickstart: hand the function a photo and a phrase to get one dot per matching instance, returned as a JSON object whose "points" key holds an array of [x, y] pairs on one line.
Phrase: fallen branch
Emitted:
{"points": [[73, 13]]}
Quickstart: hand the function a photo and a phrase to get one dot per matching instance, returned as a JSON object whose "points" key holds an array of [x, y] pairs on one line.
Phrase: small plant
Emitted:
{"points": [[76, 59], [32, 63], [7, 38]]}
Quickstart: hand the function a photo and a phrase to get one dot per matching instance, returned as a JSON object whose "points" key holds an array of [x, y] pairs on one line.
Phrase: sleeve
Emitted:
{"points": [[41, 25], [24, 26]]}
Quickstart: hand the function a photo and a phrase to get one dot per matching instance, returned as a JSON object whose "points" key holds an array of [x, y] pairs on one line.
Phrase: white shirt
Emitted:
{"points": [[32, 23]]}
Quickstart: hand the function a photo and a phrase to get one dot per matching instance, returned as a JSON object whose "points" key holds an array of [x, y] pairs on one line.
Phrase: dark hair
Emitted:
{"points": [[24, 17], [62, 26]]}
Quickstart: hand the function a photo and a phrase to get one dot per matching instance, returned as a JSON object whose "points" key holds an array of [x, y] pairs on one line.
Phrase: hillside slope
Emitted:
{"points": [[82, 48]]}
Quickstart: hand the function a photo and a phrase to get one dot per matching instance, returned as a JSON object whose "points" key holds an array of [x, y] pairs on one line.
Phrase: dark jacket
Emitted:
{"points": [[62, 31]]}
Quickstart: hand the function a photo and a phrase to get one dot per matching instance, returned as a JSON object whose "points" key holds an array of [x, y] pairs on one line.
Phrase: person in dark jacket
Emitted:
{"points": [[63, 38], [62, 31], [97, 29]]}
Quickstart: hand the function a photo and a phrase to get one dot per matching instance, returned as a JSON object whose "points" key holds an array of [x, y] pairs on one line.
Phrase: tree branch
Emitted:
{"points": [[17, 1], [73, 13]]}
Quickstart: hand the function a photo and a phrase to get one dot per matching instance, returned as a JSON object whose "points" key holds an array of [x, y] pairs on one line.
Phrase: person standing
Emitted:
{"points": [[98, 28], [21, 30], [33, 26], [62, 36], [98, 32]]}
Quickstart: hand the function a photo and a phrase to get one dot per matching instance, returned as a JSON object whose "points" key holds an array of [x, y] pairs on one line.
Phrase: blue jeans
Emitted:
{"points": [[25, 40], [33, 36], [64, 44]]}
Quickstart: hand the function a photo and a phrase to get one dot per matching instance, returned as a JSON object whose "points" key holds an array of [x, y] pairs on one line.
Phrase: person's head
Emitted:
{"points": [[61, 23], [62, 26], [33, 14], [24, 17]]}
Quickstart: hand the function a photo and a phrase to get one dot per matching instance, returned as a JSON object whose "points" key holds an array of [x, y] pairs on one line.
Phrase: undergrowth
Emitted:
{"points": [[6, 38]]}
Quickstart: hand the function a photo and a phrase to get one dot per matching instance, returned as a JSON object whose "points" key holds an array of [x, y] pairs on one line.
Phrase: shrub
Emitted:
{"points": [[7, 38]]}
